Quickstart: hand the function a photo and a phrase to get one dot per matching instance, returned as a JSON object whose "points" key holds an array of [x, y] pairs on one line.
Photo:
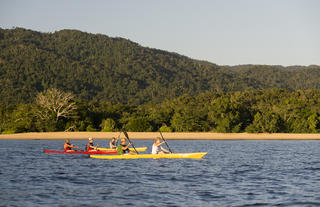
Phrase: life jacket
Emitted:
{"points": [[120, 151], [88, 146], [67, 147]]}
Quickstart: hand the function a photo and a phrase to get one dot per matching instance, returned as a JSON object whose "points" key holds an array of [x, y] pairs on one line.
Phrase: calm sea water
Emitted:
{"points": [[233, 173]]}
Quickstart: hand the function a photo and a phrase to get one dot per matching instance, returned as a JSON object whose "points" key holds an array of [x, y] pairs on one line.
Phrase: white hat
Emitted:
{"points": [[90, 138]]}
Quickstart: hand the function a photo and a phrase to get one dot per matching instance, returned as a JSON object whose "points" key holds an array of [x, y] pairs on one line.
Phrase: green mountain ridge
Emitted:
{"points": [[96, 67]]}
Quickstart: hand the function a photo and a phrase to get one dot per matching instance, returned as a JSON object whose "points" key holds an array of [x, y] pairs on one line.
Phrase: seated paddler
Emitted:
{"points": [[157, 148], [68, 147], [123, 148], [90, 146], [113, 143]]}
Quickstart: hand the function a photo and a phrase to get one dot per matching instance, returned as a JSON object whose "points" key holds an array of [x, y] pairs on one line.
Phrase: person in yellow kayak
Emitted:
{"points": [[113, 143], [123, 148], [156, 147], [90, 146], [68, 146]]}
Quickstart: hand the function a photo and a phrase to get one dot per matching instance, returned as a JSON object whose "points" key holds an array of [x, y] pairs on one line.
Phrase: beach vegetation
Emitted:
{"points": [[75, 81]]}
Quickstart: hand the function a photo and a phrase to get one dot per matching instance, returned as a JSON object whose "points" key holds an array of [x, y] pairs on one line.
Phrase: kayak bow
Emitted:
{"points": [[196, 155]]}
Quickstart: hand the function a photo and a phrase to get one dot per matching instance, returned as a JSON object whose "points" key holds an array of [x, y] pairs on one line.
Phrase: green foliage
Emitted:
{"points": [[99, 68], [90, 128], [139, 124], [108, 125], [165, 129], [10, 131], [141, 88], [262, 111], [224, 115], [190, 114], [314, 123], [270, 123]]}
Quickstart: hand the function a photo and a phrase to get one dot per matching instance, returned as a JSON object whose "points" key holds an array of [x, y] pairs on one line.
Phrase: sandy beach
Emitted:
{"points": [[172, 136]]}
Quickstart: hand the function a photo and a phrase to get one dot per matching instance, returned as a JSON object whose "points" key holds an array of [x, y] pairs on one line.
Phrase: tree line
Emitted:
{"points": [[254, 111]]}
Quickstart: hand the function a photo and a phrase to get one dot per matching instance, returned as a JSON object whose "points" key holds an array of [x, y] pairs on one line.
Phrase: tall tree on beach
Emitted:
{"points": [[54, 105]]}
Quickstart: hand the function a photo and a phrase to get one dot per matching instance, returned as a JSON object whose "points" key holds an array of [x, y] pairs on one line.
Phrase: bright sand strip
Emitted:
{"points": [[152, 135]]}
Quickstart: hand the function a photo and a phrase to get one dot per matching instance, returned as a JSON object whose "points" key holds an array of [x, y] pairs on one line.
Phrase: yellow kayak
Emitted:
{"points": [[195, 155], [139, 149]]}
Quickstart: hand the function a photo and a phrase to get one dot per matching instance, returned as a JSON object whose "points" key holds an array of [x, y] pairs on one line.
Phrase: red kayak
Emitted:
{"points": [[83, 152]]}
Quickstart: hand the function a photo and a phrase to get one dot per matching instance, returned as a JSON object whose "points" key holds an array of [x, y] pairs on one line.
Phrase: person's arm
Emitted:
{"points": [[74, 146], [164, 149], [111, 145], [159, 144], [93, 147], [126, 147], [69, 145]]}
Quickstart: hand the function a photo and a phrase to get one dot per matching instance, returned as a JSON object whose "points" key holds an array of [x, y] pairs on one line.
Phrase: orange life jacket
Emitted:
{"points": [[66, 147]]}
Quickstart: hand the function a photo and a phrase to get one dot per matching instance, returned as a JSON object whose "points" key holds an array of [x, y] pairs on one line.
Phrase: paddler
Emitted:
{"points": [[156, 147], [113, 143], [68, 146], [90, 146], [123, 148]]}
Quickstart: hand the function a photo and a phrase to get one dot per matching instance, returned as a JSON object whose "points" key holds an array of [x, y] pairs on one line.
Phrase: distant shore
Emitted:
{"points": [[171, 136]]}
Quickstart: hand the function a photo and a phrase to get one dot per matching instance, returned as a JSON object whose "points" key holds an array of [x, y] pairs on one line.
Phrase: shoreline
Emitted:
{"points": [[152, 135]]}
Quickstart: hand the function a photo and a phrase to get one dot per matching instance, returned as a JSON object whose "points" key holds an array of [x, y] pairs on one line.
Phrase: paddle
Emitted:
{"points": [[165, 142], [126, 134], [118, 139], [75, 146]]}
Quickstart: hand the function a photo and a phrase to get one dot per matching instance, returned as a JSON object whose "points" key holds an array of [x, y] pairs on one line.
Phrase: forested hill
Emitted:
{"points": [[97, 67]]}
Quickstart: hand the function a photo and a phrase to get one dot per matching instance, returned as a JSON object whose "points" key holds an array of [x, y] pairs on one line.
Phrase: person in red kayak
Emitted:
{"points": [[68, 146], [90, 146], [123, 148]]}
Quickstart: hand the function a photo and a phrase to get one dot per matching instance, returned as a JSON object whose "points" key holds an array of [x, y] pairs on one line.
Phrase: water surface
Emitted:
{"points": [[233, 173]]}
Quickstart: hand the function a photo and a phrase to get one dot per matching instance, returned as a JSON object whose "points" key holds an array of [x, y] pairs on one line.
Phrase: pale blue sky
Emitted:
{"points": [[226, 32]]}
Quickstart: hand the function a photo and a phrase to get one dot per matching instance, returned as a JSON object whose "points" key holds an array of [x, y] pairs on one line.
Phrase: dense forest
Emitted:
{"points": [[272, 110], [76, 81], [96, 67]]}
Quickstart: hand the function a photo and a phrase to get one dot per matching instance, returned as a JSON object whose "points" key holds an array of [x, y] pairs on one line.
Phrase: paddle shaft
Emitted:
{"points": [[118, 139], [126, 134], [165, 142]]}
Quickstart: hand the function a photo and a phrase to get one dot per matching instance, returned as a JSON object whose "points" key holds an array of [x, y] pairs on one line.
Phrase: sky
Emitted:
{"points": [[225, 32]]}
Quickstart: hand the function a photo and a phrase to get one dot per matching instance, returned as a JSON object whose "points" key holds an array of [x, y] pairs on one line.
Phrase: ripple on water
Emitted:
{"points": [[233, 173]]}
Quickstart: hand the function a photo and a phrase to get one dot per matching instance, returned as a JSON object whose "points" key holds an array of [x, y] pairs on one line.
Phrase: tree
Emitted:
{"points": [[165, 128], [269, 122], [314, 123], [224, 115], [54, 105], [189, 115], [108, 125], [139, 124]]}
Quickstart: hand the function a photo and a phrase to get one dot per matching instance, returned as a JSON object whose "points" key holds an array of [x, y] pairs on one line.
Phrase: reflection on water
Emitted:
{"points": [[233, 173]]}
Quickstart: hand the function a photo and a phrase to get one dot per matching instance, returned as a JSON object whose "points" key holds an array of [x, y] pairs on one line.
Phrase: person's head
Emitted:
{"points": [[113, 139], [157, 140], [67, 141], [123, 141], [90, 139]]}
